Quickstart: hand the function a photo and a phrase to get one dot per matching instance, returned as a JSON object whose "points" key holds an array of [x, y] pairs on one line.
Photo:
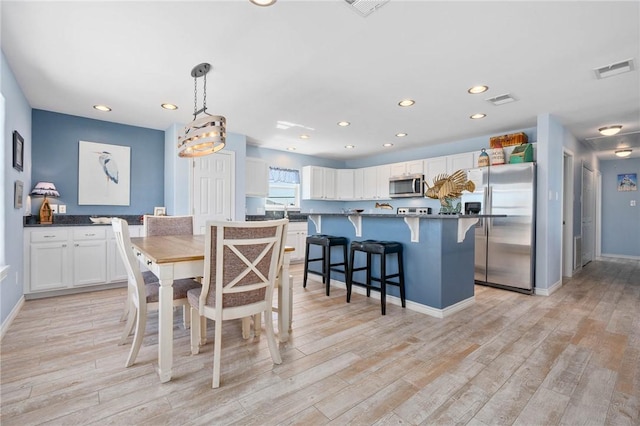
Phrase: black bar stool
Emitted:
{"points": [[383, 248], [326, 242]]}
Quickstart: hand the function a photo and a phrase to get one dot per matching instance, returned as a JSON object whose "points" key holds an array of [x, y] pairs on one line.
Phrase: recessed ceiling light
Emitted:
{"points": [[610, 130], [623, 152], [401, 135], [103, 108], [349, 146], [343, 123], [304, 136], [263, 2], [291, 148], [478, 89], [387, 145], [169, 106], [406, 102], [477, 116]]}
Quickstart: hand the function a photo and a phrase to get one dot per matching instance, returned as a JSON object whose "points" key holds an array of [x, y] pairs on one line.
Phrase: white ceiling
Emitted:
{"points": [[314, 63]]}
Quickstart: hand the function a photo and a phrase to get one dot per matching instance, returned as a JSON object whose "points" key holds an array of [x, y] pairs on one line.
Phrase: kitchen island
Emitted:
{"points": [[438, 255]]}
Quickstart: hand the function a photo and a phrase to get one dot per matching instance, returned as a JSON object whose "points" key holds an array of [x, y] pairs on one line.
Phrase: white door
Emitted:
{"points": [[588, 215], [212, 197]]}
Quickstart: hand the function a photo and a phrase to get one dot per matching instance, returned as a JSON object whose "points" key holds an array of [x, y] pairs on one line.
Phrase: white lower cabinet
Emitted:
{"points": [[63, 258], [296, 238]]}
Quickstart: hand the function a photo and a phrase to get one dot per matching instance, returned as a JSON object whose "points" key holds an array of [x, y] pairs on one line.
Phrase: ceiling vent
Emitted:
{"points": [[501, 99], [614, 69], [366, 7]]}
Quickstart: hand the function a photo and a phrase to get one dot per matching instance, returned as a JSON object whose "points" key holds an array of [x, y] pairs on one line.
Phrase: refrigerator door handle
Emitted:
{"points": [[489, 208], [485, 200]]}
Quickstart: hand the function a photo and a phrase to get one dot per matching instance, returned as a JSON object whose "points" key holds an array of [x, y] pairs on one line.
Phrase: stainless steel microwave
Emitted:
{"points": [[406, 186]]}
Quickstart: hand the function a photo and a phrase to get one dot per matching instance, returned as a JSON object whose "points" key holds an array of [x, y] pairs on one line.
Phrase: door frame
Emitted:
{"points": [[594, 219], [567, 212]]}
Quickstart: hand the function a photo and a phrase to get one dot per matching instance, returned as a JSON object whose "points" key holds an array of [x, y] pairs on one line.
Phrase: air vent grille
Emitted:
{"points": [[501, 99], [366, 7], [614, 69]]}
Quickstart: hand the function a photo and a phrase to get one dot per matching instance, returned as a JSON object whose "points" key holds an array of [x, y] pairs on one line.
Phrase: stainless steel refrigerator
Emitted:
{"points": [[505, 247]]}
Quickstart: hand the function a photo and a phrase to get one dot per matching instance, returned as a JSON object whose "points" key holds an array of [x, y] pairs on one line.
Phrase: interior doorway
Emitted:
{"points": [[567, 214], [212, 183], [588, 214]]}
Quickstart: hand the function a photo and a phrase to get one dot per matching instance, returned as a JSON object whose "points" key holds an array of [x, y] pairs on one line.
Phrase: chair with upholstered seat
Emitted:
{"points": [[167, 225], [241, 265], [142, 296]]}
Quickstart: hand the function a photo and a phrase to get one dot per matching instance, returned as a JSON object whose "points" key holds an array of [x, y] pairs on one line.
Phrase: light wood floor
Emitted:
{"points": [[572, 358]]}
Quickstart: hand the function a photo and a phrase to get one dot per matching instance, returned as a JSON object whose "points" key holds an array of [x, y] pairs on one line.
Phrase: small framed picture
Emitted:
{"points": [[628, 182], [17, 194], [159, 211], [18, 151]]}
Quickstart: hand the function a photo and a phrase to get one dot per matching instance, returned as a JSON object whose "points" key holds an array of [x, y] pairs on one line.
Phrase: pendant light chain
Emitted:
{"points": [[204, 98], [195, 96]]}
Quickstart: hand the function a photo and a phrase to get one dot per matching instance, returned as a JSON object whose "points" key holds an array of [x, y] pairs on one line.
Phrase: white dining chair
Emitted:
{"points": [[241, 265], [143, 296], [167, 225]]}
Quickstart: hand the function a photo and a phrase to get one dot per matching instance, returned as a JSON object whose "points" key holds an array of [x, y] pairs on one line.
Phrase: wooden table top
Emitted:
{"points": [[174, 248]]}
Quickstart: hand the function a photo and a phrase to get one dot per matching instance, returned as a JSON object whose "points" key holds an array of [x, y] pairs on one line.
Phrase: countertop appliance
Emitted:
{"points": [[414, 210], [406, 186], [505, 247]]}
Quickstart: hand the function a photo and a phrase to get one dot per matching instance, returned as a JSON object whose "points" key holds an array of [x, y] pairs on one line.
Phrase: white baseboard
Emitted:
{"points": [[12, 315], [413, 306], [620, 256], [548, 291]]}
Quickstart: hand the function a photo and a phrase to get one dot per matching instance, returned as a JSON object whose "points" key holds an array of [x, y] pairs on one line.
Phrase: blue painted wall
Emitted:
{"points": [[55, 159], [17, 116], [620, 221]]}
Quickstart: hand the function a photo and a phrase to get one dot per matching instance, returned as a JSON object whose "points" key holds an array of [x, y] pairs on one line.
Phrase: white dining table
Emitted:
{"points": [[174, 257]]}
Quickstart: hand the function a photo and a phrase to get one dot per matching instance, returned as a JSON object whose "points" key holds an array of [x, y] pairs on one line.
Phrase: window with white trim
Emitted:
{"points": [[284, 189]]}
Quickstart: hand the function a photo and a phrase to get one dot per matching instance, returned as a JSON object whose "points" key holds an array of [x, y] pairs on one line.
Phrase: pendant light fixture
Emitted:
{"points": [[204, 135]]}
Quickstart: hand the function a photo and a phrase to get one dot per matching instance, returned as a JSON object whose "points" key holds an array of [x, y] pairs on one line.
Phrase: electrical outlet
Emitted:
{"points": [[54, 208], [62, 208], [633, 203]]}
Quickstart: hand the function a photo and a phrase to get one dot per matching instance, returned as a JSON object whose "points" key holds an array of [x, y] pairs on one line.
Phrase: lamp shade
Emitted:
{"points": [[46, 189]]}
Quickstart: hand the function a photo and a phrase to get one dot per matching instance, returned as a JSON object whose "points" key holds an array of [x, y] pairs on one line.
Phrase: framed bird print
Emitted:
{"points": [[104, 174]]}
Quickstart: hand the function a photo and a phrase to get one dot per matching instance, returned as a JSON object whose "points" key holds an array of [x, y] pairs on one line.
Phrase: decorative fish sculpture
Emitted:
{"points": [[384, 206], [447, 187]]}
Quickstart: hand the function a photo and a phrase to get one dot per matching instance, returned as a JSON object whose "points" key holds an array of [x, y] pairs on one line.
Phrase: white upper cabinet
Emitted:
{"points": [[318, 183], [345, 184], [434, 167], [256, 178], [358, 184], [406, 168], [462, 161]]}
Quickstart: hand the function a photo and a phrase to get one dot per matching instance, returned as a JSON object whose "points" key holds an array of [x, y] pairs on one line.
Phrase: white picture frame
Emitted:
{"points": [[104, 174]]}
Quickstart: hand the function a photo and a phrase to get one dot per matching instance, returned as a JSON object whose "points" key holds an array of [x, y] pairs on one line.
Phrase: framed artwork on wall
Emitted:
{"points": [[159, 211], [18, 190], [628, 182], [18, 151], [104, 174]]}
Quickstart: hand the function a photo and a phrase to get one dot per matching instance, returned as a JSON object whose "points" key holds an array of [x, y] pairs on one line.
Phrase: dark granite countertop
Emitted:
{"points": [[293, 217], [80, 220], [421, 216]]}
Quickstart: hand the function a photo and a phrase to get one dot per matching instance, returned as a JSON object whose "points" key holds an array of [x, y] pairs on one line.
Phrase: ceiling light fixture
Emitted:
{"points": [[406, 102], [477, 89], [610, 130], [623, 152], [171, 107], [387, 145], [401, 135], [263, 2], [349, 146], [291, 148], [477, 116], [305, 136], [204, 135], [102, 108], [343, 123]]}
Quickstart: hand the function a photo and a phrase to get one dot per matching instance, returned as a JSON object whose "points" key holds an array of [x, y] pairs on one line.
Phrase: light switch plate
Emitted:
{"points": [[54, 208], [633, 203], [62, 208]]}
